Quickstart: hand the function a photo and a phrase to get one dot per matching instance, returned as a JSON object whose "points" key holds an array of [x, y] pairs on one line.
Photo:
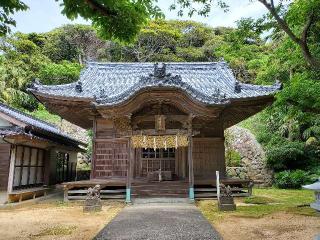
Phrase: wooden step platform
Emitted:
{"points": [[141, 188], [165, 189]]}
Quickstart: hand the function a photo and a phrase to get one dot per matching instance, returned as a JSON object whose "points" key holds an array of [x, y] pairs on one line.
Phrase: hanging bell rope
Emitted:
{"points": [[156, 142]]}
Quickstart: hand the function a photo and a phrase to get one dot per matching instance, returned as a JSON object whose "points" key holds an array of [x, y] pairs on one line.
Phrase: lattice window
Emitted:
{"points": [[160, 159]]}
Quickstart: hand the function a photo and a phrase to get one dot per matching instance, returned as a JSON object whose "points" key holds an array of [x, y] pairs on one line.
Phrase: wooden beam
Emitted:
{"points": [[166, 132], [129, 173]]}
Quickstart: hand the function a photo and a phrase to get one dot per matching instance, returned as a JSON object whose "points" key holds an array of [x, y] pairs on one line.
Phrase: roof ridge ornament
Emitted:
{"points": [[237, 87], [223, 62], [218, 96], [159, 70], [35, 83], [278, 84], [78, 87], [160, 76]]}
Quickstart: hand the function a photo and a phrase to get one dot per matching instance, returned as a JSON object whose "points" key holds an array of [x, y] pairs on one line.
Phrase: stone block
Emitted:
{"points": [[92, 205], [227, 207]]}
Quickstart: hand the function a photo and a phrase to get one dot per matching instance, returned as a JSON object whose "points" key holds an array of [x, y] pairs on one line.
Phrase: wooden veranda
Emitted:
{"points": [[141, 188]]}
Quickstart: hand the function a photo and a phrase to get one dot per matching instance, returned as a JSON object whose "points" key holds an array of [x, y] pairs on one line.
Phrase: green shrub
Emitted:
{"points": [[233, 158], [287, 155], [292, 179]]}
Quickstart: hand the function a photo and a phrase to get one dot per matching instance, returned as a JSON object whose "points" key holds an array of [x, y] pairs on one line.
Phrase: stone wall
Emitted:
{"points": [[253, 161]]}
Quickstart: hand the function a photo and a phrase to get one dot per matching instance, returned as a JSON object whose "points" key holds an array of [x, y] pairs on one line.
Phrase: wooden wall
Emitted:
{"points": [[4, 165], [111, 154], [182, 162], [208, 157]]}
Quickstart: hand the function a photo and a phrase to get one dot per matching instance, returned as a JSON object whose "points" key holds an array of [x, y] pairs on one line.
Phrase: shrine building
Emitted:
{"points": [[157, 125]]}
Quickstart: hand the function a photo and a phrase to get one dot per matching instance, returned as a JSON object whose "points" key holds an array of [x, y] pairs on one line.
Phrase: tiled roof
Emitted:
{"points": [[11, 131], [113, 83], [34, 122]]}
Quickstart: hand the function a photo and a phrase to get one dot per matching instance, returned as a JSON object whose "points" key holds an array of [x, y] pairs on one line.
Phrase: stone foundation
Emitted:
{"points": [[253, 160]]}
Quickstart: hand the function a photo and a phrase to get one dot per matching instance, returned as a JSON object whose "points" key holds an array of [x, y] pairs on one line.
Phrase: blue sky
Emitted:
{"points": [[44, 15]]}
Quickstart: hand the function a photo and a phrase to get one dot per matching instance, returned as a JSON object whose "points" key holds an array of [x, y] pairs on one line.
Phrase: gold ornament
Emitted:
{"points": [[156, 142]]}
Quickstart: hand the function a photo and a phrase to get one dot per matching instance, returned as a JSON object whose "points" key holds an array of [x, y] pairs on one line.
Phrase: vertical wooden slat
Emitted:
{"points": [[67, 170], [63, 163], [29, 166], [37, 164], [21, 165], [43, 164]]}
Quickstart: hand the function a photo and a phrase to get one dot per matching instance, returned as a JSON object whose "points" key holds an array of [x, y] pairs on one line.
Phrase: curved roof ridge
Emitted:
{"points": [[151, 63], [117, 81]]}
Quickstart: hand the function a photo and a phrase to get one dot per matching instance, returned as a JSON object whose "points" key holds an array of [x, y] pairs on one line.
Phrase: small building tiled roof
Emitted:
{"points": [[113, 83], [11, 131], [33, 123]]}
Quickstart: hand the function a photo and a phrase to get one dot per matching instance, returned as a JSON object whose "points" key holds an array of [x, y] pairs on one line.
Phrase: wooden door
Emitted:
{"points": [[151, 160]]}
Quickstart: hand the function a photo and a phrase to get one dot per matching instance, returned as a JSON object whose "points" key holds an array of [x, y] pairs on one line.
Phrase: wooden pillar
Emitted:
{"points": [[65, 193], [13, 153], [190, 163], [129, 173], [190, 158], [93, 156]]}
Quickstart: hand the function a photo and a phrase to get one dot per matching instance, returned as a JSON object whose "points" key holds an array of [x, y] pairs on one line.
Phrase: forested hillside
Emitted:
{"points": [[289, 130]]}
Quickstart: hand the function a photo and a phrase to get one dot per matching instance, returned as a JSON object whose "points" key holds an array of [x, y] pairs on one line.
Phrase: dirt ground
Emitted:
{"points": [[50, 221], [54, 221], [277, 226]]}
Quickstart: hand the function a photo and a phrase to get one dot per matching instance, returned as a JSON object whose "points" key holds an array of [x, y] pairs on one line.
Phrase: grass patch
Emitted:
{"points": [[61, 203], [55, 231], [258, 200], [289, 201]]}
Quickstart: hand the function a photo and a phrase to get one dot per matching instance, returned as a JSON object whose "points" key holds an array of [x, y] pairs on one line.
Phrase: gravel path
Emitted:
{"points": [[159, 221]]}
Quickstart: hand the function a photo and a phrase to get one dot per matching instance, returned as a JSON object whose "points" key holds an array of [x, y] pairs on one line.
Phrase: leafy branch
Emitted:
{"points": [[302, 41]]}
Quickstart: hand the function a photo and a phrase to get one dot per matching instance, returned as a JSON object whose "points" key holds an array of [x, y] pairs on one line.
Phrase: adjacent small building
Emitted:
{"points": [[33, 155], [154, 122]]}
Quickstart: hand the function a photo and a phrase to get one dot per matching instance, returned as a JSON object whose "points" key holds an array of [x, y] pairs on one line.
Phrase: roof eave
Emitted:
{"points": [[36, 93]]}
